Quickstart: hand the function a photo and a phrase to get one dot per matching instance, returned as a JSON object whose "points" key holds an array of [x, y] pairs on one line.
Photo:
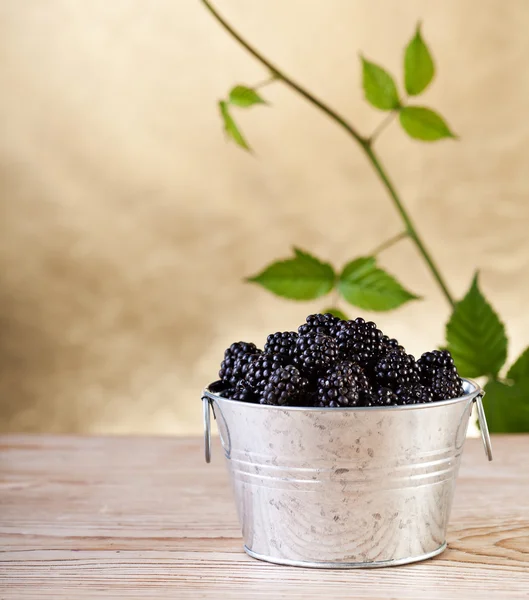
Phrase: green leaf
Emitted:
{"points": [[519, 371], [379, 87], [303, 277], [364, 285], [244, 96], [418, 65], [475, 335], [507, 407], [336, 312], [424, 124], [230, 127]]}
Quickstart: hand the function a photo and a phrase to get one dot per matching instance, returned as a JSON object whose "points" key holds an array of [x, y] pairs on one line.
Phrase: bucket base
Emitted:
{"points": [[345, 565]]}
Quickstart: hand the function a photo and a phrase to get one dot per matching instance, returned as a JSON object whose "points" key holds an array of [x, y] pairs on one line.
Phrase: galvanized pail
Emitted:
{"points": [[344, 487]]}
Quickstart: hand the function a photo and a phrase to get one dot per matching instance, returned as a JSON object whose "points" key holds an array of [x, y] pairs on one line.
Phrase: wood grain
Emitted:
{"points": [[86, 517]]}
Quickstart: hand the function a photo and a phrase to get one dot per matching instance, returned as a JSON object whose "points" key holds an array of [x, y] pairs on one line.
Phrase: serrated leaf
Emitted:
{"points": [[419, 68], [519, 371], [379, 88], [230, 126], [424, 124], [507, 407], [244, 97], [303, 277], [475, 335], [336, 312], [363, 284]]}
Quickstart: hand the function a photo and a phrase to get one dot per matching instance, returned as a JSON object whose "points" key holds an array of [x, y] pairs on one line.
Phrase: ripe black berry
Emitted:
{"points": [[282, 344], [330, 362], [396, 369], [414, 394], [342, 385], [241, 392], [259, 371], [388, 344], [285, 387], [431, 362], [446, 384], [323, 324], [313, 354], [382, 397], [360, 342], [235, 357]]}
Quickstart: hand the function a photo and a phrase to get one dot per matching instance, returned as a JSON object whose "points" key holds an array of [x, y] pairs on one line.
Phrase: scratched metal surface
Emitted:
{"points": [[343, 487]]}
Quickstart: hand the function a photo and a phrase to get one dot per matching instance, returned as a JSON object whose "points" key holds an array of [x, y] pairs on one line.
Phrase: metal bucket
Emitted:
{"points": [[344, 487]]}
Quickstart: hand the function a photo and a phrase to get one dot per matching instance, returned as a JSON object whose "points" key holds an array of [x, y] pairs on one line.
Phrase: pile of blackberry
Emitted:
{"points": [[332, 363]]}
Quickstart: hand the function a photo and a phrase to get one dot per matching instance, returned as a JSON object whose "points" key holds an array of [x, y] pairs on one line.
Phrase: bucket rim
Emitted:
{"points": [[474, 391]]}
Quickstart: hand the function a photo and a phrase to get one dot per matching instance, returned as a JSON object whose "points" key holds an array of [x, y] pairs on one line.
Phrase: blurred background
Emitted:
{"points": [[128, 222]]}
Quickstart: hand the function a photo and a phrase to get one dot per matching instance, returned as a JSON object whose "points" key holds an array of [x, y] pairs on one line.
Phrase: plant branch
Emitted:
{"points": [[382, 125], [388, 243], [286, 80], [386, 121], [265, 82], [412, 232], [362, 141]]}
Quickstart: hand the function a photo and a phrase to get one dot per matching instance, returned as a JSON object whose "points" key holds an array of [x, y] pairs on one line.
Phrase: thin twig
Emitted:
{"points": [[386, 121], [388, 243], [286, 80], [382, 125], [413, 233], [264, 83]]}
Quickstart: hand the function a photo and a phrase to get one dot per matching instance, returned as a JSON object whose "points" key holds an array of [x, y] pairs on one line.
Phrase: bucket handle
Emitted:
{"points": [[207, 427], [483, 427]]}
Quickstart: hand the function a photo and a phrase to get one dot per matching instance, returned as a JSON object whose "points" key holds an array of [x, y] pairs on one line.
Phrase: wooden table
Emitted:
{"points": [[134, 517]]}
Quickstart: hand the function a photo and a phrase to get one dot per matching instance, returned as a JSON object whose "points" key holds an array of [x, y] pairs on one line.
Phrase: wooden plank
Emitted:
{"points": [[134, 517]]}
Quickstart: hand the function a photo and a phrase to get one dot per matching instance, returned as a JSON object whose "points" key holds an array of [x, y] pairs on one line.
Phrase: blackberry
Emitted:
{"points": [[235, 394], [323, 324], [389, 344], [259, 371], [382, 397], [396, 369], [243, 392], [282, 344], [350, 369], [446, 384], [431, 362], [360, 342], [235, 357], [415, 394], [314, 354], [342, 385], [285, 387]]}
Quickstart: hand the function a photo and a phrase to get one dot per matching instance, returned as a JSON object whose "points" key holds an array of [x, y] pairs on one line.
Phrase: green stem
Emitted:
{"points": [[410, 227], [382, 125], [388, 243], [281, 76], [386, 121], [264, 83], [362, 141]]}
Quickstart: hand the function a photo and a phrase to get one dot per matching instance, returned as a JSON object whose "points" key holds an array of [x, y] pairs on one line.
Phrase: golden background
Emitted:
{"points": [[128, 222]]}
